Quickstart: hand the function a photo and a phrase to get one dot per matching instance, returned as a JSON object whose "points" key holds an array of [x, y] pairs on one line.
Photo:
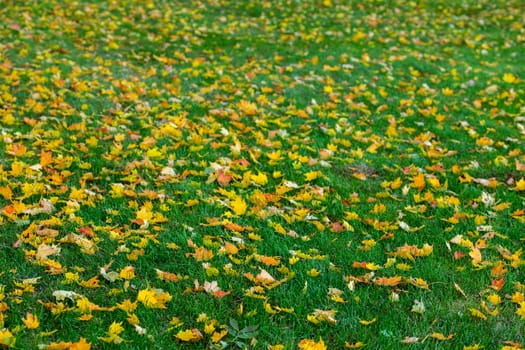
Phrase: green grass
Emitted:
{"points": [[130, 117]]}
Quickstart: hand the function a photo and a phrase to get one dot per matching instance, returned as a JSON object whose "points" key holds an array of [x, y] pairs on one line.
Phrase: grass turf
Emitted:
{"points": [[262, 174]]}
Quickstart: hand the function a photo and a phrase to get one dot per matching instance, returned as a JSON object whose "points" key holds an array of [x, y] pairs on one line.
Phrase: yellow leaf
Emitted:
{"points": [[372, 266], [7, 338], [153, 298], [31, 321], [472, 347], [276, 347], [189, 335], [216, 337], [518, 297], [127, 306], [477, 313], [247, 108], [356, 345], [494, 299], [521, 310], [475, 254], [520, 185], [458, 288], [418, 282], [127, 273], [260, 179], [309, 344], [114, 333], [313, 272], [440, 336], [238, 206], [115, 328], [366, 323], [312, 175], [322, 316], [509, 78]]}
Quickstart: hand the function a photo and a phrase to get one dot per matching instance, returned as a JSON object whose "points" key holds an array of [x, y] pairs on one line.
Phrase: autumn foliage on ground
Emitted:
{"points": [[262, 174]]}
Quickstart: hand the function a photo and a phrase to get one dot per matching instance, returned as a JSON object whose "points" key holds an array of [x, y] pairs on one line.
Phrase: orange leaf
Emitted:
{"points": [[46, 158], [388, 281], [269, 260], [80, 345], [222, 178], [497, 284], [230, 248], [220, 294], [6, 193], [203, 254], [167, 276], [418, 182]]}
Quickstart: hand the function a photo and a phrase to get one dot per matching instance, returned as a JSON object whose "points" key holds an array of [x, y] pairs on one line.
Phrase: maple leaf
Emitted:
{"points": [[31, 321], [520, 185], [418, 182], [7, 338], [238, 205], [153, 298], [260, 179], [264, 277], [518, 297], [167, 276], [223, 178], [45, 250], [388, 281], [82, 344], [189, 335], [6, 193], [113, 333], [309, 344], [269, 260], [322, 316], [230, 248], [509, 78], [475, 254], [127, 273], [202, 254], [217, 336]]}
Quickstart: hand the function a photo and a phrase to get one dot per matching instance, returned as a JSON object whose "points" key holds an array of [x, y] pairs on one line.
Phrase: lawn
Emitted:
{"points": [[284, 174]]}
